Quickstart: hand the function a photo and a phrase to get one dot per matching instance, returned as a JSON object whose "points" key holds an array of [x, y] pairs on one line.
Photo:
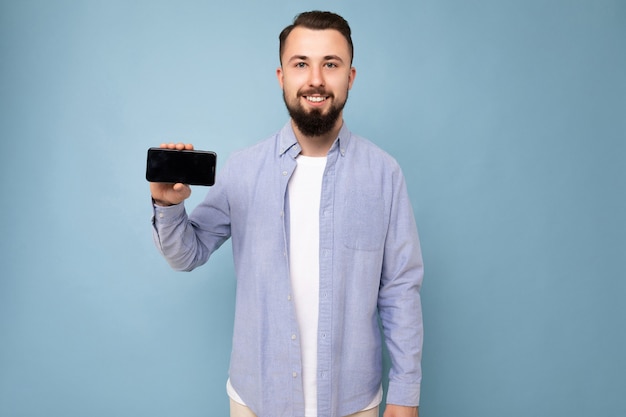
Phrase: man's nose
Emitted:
{"points": [[316, 77]]}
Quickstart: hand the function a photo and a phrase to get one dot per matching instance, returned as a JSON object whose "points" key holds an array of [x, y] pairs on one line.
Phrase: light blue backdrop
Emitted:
{"points": [[507, 116]]}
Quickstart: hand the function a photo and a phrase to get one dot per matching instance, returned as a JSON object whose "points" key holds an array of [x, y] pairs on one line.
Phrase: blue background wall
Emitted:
{"points": [[507, 116]]}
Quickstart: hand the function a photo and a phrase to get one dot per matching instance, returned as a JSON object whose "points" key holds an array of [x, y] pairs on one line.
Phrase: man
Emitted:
{"points": [[324, 243]]}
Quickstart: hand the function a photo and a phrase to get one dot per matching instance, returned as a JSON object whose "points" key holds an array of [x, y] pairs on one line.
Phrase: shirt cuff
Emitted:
{"points": [[169, 214], [403, 394]]}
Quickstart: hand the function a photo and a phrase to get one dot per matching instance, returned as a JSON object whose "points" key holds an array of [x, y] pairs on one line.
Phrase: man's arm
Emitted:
{"points": [[400, 411], [399, 302], [184, 242]]}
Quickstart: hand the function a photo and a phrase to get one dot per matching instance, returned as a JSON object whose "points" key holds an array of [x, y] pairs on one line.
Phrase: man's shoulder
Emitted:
{"points": [[365, 148]]}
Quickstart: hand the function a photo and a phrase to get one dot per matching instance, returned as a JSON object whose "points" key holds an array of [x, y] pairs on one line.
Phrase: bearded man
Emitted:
{"points": [[325, 246]]}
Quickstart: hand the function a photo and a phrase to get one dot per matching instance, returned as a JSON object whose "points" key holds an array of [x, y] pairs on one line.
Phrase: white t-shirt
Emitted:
{"points": [[305, 189]]}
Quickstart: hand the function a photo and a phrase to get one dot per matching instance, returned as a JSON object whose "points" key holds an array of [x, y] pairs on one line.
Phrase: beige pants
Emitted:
{"points": [[238, 410]]}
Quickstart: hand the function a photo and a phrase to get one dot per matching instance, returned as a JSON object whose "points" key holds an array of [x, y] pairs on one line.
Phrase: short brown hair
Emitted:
{"points": [[318, 20]]}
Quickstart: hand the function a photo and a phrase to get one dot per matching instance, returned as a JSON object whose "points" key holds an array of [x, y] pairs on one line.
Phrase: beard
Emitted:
{"points": [[314, 122]]}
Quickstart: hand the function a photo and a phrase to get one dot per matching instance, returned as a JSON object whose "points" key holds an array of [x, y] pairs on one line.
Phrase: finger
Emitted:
{"points": [[179, 186], [179, 146]]}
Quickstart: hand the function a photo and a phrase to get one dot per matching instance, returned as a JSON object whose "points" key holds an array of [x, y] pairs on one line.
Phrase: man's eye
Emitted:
{"points": [[331, 65], [300, 65]]}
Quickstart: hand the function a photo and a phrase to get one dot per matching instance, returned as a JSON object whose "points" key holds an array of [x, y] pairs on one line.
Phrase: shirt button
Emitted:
{"points": [[289, 297], [293, 337], [284, 173], [295, 374], [161, 215]]}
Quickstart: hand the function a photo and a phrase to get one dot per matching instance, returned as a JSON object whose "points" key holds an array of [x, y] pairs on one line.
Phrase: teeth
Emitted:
{"points": [[316, 99]]}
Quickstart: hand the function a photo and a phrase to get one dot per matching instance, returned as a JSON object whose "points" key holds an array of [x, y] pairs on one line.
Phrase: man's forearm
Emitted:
{"points": [[392, 410]]}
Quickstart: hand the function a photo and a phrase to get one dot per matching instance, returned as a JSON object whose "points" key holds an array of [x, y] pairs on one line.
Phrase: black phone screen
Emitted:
{"points": [[188, 167]]}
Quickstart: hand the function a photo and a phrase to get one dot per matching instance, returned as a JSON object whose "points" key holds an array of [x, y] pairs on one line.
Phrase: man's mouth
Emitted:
{"points": [[315, 99], [315, 96]]}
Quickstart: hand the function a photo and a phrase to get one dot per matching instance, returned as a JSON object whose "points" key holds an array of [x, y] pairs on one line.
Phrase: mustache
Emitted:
{"points": [[311, 91]]}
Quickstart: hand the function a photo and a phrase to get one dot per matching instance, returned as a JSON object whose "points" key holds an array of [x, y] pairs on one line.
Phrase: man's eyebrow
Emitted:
{"points": [[333, 58], [306, 58], [298, 58]]}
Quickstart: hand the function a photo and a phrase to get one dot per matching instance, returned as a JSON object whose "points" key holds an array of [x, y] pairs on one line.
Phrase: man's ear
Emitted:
{"points": [[279, 75], [351, 77]]}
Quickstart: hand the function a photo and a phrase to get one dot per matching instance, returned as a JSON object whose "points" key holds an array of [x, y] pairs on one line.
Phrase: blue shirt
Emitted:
{"points": [[370, 266]]}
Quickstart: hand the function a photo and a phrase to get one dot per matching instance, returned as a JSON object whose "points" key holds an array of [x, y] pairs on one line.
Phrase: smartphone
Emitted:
{"points": [[189, 167]]}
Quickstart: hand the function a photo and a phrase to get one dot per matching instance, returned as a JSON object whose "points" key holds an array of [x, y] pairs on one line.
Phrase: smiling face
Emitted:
{"points": [[315, 75]]}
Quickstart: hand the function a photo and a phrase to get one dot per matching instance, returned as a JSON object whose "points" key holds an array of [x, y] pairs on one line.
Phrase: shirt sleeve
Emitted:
{"points": [[187, 242], [399, 300]]}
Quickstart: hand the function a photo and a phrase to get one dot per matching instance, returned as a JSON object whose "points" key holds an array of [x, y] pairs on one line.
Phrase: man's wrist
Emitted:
{"points": [[161, 203]]}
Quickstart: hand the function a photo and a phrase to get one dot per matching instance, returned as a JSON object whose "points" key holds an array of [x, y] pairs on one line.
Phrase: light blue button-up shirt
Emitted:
{"points": [[370, 266]]}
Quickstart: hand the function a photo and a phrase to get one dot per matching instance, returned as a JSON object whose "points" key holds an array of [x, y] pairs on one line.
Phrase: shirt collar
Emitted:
{"points": [[289, 144]]}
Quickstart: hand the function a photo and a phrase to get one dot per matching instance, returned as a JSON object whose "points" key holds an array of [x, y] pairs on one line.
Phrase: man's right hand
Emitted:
{"points": [[167, 194]]}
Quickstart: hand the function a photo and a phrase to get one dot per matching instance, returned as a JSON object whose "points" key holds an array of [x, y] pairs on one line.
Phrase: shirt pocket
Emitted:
{"points": [[363, 220]]}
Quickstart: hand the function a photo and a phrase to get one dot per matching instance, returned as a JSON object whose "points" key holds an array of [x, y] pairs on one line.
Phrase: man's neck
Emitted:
{"points": [[317, 145]]}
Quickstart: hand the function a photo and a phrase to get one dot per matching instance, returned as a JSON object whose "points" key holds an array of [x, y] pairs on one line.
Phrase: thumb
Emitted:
{"points": [[183, 190], [178, 187]]}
